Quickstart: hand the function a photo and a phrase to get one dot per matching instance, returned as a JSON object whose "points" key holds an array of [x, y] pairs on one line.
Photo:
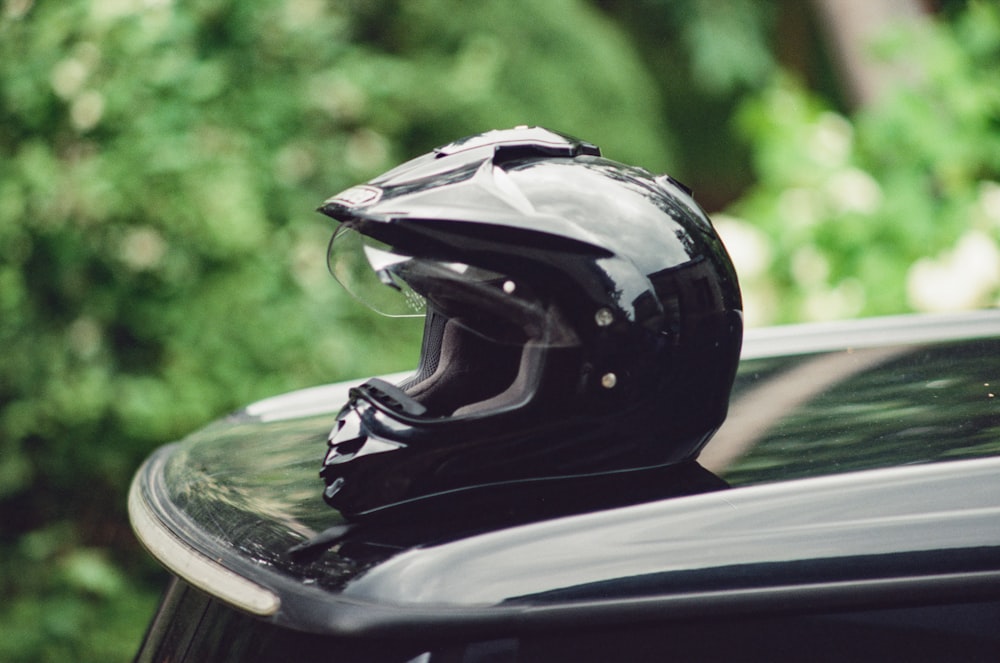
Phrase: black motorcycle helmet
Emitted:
{"points": [[582, 318]]}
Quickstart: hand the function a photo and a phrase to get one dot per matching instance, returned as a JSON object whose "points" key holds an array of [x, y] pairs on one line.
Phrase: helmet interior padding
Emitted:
{"points": [[467, 369]]}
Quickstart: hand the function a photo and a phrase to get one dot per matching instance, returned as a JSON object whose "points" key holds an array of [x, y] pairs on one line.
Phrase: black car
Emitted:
{"points": [[848, 509]]}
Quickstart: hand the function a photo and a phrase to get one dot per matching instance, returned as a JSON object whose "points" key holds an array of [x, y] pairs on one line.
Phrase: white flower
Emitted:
{"points": [[68, 77], [801, 207], [963, 278], [87, 110], [854, 190], [810, 267], [143, 248], [989, 202], [831, 140]]}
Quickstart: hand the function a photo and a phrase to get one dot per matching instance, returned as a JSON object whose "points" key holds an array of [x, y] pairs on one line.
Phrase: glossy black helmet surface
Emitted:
{"points": [[582, 318]]}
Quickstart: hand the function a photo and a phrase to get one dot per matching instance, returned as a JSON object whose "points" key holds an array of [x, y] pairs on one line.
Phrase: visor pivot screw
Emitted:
{"points": [[609, 380], [604, 317], [509, 287]]}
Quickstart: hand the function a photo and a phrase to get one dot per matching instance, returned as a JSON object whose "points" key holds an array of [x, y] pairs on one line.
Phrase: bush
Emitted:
{"points": [[161, 263], [848, 212]]}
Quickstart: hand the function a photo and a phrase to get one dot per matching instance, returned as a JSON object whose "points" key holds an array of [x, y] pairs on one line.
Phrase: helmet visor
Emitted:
{"points": [[491, 304]]}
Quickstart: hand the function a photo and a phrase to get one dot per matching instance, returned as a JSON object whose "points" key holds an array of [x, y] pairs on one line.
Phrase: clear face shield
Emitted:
{"points": [[492, 305], [486, 334]]}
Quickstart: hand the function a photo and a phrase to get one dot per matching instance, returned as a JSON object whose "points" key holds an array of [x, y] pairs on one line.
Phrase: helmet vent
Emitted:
{"points": [[522, 142], [513, 151]]}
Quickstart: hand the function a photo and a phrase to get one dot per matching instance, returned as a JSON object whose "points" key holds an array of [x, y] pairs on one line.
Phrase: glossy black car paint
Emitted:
{"points": [[865, 465]]}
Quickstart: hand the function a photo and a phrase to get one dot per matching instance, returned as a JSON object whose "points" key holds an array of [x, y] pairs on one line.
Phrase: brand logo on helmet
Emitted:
{"points": [[356, 196]]}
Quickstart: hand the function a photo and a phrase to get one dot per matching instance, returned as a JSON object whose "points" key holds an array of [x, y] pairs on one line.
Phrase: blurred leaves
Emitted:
{"points": [[728, 44], [160, 259], [65, 601], [891, 209], [160, 262]]}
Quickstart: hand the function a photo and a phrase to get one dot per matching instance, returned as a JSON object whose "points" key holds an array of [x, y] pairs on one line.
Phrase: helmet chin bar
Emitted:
{"points": [[393, 444]]}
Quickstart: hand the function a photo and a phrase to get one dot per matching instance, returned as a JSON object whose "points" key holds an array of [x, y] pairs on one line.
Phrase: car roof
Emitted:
{"points": [[864, 464]]}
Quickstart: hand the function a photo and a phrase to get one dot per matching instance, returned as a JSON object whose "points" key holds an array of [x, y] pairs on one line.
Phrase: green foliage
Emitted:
{"points": [[65, 601], [704, 56], [846, 209], [160, 262]]}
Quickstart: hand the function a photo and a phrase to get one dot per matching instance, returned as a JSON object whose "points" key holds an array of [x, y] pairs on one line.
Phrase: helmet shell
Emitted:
{"points": [[629, 262]]}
